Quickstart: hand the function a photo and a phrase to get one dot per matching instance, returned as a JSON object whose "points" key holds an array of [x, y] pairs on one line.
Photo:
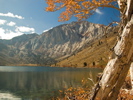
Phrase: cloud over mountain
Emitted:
{"points": [[8, 34], [25, 29], [13, 31], [11, 27]]}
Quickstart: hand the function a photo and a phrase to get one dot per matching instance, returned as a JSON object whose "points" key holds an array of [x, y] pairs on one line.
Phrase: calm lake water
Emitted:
{"points": [[40, 83]]}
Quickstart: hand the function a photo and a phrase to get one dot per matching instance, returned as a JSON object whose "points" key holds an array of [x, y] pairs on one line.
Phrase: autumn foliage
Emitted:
{"points": [[84, 92], [81, 9], [80, 93]]}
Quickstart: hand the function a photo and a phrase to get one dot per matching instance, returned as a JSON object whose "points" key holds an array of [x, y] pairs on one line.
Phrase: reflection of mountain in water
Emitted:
{"points": [[41, 84]]}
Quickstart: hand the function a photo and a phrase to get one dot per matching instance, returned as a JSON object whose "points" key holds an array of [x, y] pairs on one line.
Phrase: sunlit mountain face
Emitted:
{"points": [[58, 42]]}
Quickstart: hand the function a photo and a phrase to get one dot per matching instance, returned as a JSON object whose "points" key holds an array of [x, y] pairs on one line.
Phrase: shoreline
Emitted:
{"points": [[35, 65]]}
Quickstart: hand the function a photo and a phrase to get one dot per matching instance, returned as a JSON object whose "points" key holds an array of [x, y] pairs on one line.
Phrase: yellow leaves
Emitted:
{"points": [[79, 16], [58, 1], [78, 93], [86, 4], [65, 16], [76, 11], [73, 5], [126, 94], [50, 9], [51, 5], [79, 8], [70, 89], [85, 11], [80, 0], [71, 2], [60, 91], [50, 2]]}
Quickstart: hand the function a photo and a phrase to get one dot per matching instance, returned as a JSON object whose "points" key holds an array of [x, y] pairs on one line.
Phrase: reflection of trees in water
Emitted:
{"points": [[41, 82]]}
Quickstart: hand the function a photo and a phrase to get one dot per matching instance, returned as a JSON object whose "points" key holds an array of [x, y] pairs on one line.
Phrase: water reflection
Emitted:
{"points": [[41, 85], [8, 96]]}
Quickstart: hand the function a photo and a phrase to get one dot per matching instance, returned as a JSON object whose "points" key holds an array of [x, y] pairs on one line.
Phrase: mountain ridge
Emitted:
{"points": [[60, 41]]}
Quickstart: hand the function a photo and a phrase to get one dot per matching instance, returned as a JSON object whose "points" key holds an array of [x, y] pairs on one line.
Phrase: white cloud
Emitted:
{"points": [[11, 23], [24, 29], [8, 34], [2, 30], [9, 14], [99, 12], [2, 22]]}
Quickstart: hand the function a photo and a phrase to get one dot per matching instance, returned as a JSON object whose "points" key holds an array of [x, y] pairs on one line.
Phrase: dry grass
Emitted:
{"points": [[94, 55]]}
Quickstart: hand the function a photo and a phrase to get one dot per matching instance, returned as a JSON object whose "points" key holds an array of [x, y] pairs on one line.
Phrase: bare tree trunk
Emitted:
{"points": [[131, 74], [117, 68]]}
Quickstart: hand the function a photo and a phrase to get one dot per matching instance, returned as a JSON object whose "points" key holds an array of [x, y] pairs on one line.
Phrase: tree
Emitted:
{"points": [[82, 9], [117, 68]]}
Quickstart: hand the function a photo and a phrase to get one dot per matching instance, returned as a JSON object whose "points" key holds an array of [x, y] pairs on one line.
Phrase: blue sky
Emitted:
{"points": [[19, 17]]}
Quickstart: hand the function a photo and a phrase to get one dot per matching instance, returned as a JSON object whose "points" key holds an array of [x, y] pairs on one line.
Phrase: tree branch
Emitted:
{"points": [[110, 6]]}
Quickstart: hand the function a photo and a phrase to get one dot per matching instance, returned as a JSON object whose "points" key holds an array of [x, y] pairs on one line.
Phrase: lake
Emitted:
{"points": [[40, 83]]}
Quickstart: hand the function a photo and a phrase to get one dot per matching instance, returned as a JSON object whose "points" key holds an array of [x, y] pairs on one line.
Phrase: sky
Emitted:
{"points": [[19, 17]]}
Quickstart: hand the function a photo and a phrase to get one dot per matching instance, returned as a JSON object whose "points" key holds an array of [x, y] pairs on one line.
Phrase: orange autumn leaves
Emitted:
{"points": [[81, 9]]}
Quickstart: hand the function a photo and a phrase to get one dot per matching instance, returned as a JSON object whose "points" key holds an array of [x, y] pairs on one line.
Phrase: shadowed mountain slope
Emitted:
{"points": [[45, 49]]}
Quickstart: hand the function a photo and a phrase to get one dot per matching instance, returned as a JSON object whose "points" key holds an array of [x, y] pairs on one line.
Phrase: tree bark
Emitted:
{"points": [[117, 68], [131, 74]]}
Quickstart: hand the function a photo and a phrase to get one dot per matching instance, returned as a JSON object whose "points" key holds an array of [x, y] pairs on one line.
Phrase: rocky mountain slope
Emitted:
{"points": [[95, 54], [59, 42]]}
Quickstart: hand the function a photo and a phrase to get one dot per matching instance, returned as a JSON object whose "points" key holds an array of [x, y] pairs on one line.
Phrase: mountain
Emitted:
{"points": [[59, 42], [95, 54]]}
